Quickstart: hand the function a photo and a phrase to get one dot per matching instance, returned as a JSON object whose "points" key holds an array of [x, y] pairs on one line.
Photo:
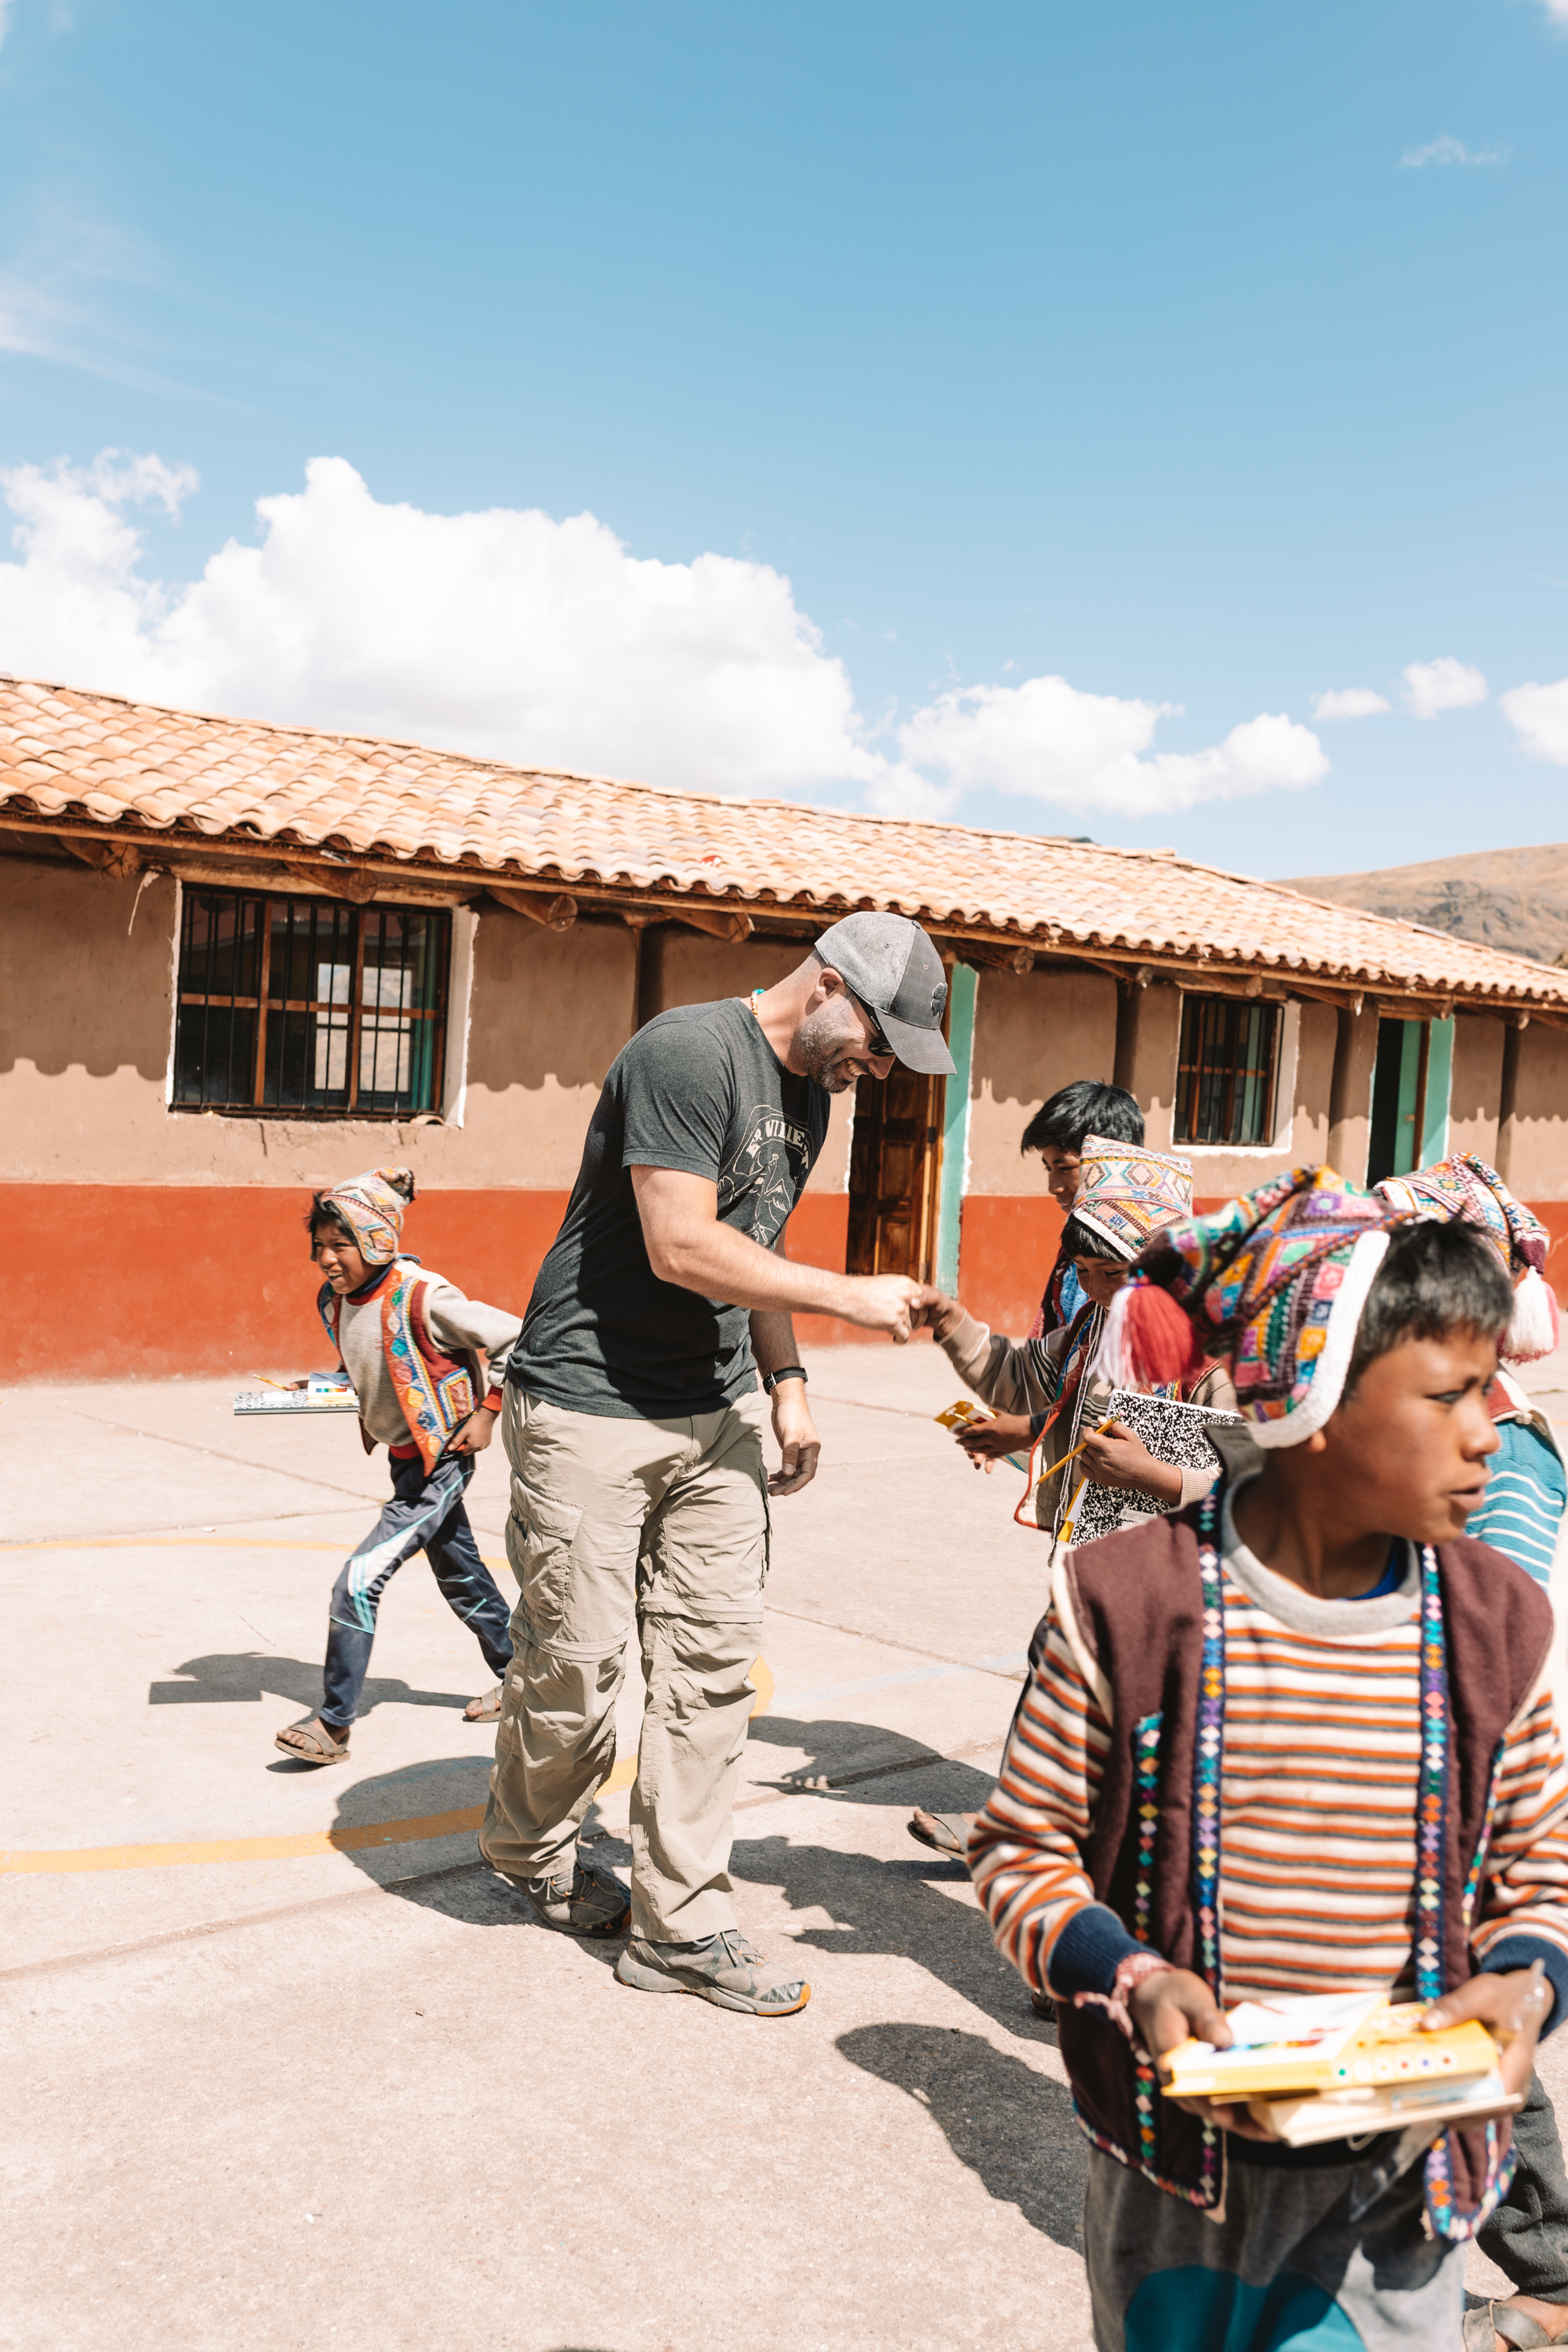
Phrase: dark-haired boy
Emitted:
{"points": [[1298, 1738], [1058, 1131], [415, 1349]]}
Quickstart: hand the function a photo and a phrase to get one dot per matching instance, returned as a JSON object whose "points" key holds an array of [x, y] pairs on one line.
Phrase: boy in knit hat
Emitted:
{"points": [[1050, 1395], [1297, 1737], [416, 1351], [1049, 1392]]}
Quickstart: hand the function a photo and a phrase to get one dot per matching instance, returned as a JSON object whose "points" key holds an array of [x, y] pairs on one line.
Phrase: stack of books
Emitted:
{"points": [[324, 1393], [1340, 2066]]}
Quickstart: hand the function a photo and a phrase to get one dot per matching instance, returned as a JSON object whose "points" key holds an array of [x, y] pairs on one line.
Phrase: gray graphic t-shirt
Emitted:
{"points": [[699, 1089]]}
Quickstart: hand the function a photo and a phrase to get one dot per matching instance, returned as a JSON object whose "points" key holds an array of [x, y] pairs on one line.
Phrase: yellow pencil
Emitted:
{"points": [[1077, 1449]]}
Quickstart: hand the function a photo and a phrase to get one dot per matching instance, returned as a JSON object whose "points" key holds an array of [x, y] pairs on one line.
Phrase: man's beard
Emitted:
{"points": [[825, 1041]]}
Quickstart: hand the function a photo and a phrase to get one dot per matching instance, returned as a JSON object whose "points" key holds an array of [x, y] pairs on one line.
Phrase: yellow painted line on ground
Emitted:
{"points": [[357, 1838], [185, 1543]]}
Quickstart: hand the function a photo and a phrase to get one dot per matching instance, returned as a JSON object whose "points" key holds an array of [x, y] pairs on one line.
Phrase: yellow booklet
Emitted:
{"points": [[963, 1414], [1329, 2043]]}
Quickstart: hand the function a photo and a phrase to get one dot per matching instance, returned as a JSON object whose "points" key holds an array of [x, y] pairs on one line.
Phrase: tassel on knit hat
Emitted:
{"points": [[1464, 1189], [372, 1207], [1272, 1284]]}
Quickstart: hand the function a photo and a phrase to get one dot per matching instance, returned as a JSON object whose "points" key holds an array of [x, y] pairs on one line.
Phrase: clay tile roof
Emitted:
{"points": [[68, 755]]}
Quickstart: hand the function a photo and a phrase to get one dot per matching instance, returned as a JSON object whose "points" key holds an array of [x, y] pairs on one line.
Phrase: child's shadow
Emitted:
{"points": [[241, 1677], [1011, 2125]]}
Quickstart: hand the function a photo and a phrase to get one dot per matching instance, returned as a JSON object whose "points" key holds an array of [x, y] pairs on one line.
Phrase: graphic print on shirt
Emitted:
{"points": [[769, 1166]]}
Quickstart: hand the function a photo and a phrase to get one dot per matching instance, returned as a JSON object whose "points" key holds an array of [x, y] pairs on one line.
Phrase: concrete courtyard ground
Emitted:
{"points": [[285, 2067]]}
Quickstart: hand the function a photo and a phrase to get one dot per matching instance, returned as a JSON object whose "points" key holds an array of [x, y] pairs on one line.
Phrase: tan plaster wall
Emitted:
{"points": [[1149, 1063], [85, 1009], [1535, 1161], [1475, 1097], [1031, 1035], [1350, 1098]]}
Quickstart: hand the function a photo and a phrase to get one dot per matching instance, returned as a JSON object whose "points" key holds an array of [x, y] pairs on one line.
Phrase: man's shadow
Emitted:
{"points": [[241, 1677], [444, 1871], [1011, 2125]]}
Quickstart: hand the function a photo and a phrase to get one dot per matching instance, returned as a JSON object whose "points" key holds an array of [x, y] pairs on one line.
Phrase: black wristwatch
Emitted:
{"points": [[785, 1373]]}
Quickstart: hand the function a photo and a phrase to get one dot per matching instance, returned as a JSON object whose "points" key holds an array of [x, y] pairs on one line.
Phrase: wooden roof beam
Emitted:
{"points": [[557, 910]]}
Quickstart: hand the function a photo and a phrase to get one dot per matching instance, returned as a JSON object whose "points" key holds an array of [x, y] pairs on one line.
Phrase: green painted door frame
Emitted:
{"points": [[955, 1126], [1438, 1091]]}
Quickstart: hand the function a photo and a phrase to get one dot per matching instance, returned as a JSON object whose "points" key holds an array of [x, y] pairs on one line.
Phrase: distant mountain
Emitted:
{"points": [[1514, 899]]}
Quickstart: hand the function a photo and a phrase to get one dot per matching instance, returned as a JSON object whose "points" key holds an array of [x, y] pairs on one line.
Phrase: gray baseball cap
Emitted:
{"points": [[891, 966]]}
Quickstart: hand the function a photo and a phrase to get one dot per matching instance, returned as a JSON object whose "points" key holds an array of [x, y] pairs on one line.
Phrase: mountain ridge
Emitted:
{"points": [[1515, 900]]}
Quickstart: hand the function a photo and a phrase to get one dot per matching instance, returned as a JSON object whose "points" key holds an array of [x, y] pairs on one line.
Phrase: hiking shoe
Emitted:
{"points": [[585, 1900], [724, 1968]]}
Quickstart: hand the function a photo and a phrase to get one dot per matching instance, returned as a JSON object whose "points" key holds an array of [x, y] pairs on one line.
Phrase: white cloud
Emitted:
{"points": [[505, 634], [515, 637], [1453, 150], [1539, 714], [1049, 740], [1558, 11], [1349, 702], [1441, 685]]}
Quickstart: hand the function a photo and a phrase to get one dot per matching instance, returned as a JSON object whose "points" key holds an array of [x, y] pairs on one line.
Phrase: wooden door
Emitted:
{"points": [[893, 1170]]}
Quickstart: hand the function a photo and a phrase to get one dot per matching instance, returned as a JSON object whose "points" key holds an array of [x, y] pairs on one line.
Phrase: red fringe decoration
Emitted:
{"points": [[1159, 1342]]}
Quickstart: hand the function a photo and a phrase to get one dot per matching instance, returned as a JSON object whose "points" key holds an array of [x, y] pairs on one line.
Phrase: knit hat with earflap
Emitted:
{"points": [[1463, 1190], [1126, 1194], [372, 1207], [1272, 1285]]}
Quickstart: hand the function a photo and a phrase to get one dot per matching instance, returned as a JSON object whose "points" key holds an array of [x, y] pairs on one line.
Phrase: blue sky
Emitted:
{"points": [[1207, 356]]}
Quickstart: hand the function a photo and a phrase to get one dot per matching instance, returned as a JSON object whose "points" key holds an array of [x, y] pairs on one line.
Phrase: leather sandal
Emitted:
{"points": [[1489, 2321], [486, 1709], [311, 1743]]}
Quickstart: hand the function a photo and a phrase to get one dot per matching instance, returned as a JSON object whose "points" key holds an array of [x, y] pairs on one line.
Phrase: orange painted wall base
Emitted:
{"points": [[153, 1282]]}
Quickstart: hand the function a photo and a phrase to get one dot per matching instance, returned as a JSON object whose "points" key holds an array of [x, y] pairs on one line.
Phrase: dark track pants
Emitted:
{"points": [[1527, 2237], [424, 1513]]}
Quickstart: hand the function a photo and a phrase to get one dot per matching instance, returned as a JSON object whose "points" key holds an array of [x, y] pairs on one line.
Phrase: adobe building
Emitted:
{"points": [[243, 960]]}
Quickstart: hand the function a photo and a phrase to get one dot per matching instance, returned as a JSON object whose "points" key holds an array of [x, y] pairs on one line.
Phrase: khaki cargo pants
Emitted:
{"points": [[666, 1520]]}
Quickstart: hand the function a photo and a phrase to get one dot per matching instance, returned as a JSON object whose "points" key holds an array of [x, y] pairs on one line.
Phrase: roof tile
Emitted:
{"points": [[119, 761]]}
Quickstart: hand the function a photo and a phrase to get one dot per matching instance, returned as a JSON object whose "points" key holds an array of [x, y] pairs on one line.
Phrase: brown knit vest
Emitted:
{"points": [[1138, 1602]]}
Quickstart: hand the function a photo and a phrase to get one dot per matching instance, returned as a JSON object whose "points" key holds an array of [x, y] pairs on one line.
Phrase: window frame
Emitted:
{"points": [[1198, 1011], [262, 1004]]}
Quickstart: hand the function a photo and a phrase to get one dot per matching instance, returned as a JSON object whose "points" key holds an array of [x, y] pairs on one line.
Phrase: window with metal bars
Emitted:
{"points": [[302, 1004], [1226, 1070]]}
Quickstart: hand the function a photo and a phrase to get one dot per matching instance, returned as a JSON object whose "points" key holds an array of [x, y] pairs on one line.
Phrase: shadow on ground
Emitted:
{"points": [[1011, 2125], [463, 1886], [846, 1761], [899, 1909], [241, 1678]]}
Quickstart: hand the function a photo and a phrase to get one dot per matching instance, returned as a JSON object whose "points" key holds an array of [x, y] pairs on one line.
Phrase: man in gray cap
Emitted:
{"points": [[633, 1421]]}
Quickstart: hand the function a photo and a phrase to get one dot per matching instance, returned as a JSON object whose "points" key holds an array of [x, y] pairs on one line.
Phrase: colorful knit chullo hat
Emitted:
{"points": [[372, 1207], [1126, 1195], [1463, 1190], [1272, 1284]]}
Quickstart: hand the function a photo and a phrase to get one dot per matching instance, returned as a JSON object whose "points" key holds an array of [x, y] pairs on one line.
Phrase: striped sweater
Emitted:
{"points": [[1318, 1804], [1527, 1490]]}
